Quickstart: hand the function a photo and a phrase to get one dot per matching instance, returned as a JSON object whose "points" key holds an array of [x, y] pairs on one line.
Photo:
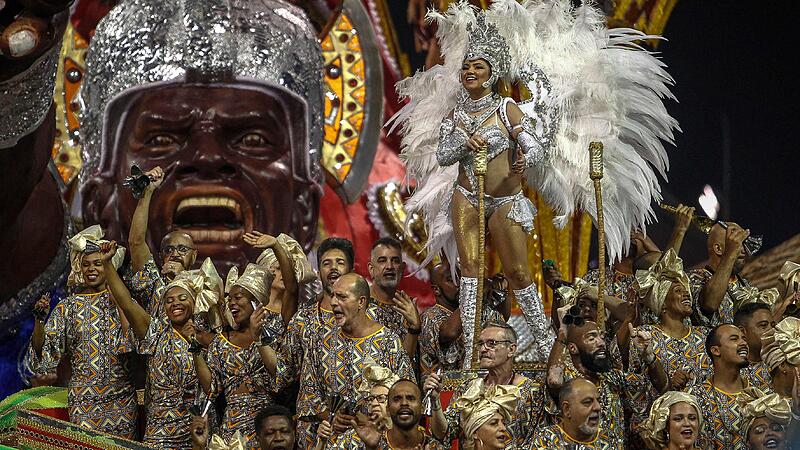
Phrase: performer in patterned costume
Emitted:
{"points": [[377, 383], [88, 326], [334, 258], [579, 419], [386, 267], [172, 386], [768, 418], [780, 351], [484, 412], [675, 421], [441, 342], [714, 286], [755, 319], [588, 358], [236, 357], [724, 426], [336, 360], [498, 347], [665, 291], [178, 253]]}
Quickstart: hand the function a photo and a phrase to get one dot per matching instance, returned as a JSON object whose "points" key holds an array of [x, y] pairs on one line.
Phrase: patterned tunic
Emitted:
{"points": [[171, 386], [528, 416], [351, 441], [698, 278], [147, 287], [757, 375], [723, 424], [687, 354], [240, 374], [335, 366], [432, 355], [614, 389], [555, 438], [309, 321], [101, 396], [384, 314]]}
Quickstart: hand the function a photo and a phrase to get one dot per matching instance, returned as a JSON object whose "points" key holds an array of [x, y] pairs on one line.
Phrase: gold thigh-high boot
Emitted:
{"points": [[533, 311], [467, 295]]}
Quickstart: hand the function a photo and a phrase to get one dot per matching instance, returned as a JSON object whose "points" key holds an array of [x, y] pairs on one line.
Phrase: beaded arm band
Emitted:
{"points": [[452, 142]]}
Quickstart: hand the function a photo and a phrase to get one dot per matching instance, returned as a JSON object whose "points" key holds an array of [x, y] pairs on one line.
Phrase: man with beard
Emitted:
{"points": [[723, 427], [178, 253], [498, 346], [441, 345], [579, 403], [334, 259], [405, 409], [336, 360], [755, 319], [589, 359], [392, 307], [713, 287]]}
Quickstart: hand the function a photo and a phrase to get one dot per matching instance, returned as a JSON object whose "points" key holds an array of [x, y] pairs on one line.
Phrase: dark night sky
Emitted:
{"points": [[732, 59]]}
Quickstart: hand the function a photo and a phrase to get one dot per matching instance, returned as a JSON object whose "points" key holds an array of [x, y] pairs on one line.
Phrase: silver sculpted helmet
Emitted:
{"points": [[262, 45]]}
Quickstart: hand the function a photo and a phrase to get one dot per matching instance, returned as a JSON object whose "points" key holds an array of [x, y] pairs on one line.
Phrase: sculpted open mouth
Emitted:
{"points": [[213, 217]]}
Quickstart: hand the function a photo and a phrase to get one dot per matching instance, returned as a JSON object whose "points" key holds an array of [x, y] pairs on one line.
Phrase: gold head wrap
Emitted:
{"points": [[237, 442], [580, 288], [375, 375], [93, 237], [782, 343], [203, 284], [754, 404], [751, 294], [652, 430], [654, 283], [790, 273], [302, 268], [478, 404], [256, 279]]}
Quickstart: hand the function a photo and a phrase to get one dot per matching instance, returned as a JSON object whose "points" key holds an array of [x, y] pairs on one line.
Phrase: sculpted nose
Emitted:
{"points": [[208, 159]]}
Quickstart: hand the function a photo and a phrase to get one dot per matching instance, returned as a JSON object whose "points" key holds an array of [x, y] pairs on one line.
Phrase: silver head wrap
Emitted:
{"points": [[755, 403], [790, 276], [654, 283], [652, 430], [265, 46], [486, 42], [85, 242]]}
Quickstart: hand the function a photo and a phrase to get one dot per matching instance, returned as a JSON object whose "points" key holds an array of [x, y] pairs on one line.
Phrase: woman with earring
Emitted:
{"points": [[484, 415], [575, 85]]}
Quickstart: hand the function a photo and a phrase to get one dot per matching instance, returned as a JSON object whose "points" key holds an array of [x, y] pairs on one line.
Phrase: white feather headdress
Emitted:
{"points": [[594, 83]]}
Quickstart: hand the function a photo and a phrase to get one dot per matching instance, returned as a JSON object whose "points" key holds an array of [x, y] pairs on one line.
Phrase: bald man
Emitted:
{"points": [[714, 286], [579, 403], [178, 253], [337, 358]]}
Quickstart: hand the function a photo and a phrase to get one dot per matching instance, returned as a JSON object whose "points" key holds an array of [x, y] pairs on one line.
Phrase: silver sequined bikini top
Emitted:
{"points": [[497, 141]]}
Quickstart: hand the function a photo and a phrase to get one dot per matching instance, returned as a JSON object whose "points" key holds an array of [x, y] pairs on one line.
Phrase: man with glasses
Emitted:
{"points": [[498, 346], [178, 253]]}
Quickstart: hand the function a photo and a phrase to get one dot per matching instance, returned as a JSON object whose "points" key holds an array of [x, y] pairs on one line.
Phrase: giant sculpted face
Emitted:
{"points": [[225, 96], [228, 157]]}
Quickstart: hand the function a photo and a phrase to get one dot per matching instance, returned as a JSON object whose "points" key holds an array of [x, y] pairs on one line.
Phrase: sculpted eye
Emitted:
{"points": [[252, 141], [162, 144]]}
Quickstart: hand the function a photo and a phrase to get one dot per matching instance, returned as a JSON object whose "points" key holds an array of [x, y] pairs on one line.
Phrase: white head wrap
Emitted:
{"points": [[91, 237]]}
